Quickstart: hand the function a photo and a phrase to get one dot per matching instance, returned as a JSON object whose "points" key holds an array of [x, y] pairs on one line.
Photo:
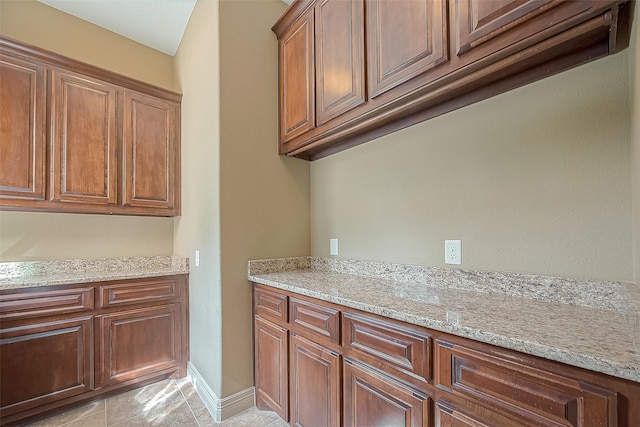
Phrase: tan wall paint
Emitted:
{"points": [[634, 77], [35, 23], [264, 198], [46, 236], [197, 72], [28, 236], [535, 180]]}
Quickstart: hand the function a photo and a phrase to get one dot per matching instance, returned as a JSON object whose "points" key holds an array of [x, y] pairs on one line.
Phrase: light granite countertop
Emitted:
{"points": [[50, 273], [590, 324]]}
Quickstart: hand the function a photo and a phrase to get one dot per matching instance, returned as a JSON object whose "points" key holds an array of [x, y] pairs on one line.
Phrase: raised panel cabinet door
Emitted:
{"points": [[22, 129], [44, 362], [372, 399], [297, 79], [138, 342], [316, 384], [272, 367], [339, 35], [405, 38], [83, 139], [480, 22], [150, 151]]}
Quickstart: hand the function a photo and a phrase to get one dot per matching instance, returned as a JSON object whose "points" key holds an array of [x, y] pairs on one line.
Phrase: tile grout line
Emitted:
{"points": [[188, 405]]}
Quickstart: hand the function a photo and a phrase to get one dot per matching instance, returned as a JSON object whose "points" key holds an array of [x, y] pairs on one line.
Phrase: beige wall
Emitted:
{"points": [[634, 78], [26, 236], [536, 180], [43, 26], [197, 73], [264, 198]]}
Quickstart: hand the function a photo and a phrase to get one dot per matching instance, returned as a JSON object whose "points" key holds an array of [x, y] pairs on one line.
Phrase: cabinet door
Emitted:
{"points": [[372, 399], [531, 396], [315, 384], [405, 38], [271, 367], [83, 146], [138, 342], [44, 362], [340, 57], [297, 79], [490, 26], [22, 129], [151, 148]]}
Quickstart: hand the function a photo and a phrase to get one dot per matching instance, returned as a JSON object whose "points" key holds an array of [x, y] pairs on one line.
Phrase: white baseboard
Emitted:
{"points": [[220, 409]]}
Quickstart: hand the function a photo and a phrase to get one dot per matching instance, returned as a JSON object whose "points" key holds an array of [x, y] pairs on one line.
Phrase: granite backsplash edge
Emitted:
{"points": [[608, 295]]}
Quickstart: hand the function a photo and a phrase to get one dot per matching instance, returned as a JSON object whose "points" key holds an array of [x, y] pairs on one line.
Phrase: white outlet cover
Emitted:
{"points": [[453, 252]]}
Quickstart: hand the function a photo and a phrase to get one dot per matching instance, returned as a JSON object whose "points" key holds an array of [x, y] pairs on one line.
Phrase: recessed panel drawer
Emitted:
{"points": [[534, 396], [404, 352], [138, 292], [44, 303], [270, 304], [314, 318]]}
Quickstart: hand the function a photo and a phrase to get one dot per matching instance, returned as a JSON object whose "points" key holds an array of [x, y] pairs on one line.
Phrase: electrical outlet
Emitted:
{"points": [[197, 258], [453, 252], [333, 246]]}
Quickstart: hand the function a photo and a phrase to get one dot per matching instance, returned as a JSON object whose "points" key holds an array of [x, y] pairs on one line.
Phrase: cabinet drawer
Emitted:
{"points": [[404, 352], [533, 396], [138, 292], [314, 318], [270, 304], [44, 303]]}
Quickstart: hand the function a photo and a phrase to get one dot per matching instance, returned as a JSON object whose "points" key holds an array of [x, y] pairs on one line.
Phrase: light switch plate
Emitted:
{"points": [[333, 246]]}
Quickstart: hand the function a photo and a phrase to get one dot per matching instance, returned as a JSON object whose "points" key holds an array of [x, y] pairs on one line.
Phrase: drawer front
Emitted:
{"points": [[532, 395], [404, 352], [45, 303], [138, 292], [270, 304], [314, 318]]}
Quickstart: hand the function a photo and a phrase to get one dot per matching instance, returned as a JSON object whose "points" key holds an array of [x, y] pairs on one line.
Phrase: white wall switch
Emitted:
{"points": [[333, 246], [197, 258], [453, 252]]}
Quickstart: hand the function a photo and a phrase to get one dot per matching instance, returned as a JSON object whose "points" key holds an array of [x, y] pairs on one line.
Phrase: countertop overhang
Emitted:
{"points": [[593, 325]]}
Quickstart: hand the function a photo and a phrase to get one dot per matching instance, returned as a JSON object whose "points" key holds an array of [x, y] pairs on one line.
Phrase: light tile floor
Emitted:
{"points": [[167, 403]]}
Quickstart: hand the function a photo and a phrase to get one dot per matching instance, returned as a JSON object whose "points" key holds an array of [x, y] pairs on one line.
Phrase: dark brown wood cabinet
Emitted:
{"points": [[316, 384], [405, 39], [382, 372], [372, 399], [150, 152], [421, 59], [272, 367], [83, 142], [67, 344], [110, 144], [22, 129]]}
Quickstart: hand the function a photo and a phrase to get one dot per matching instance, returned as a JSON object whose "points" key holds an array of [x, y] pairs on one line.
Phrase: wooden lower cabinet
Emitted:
{"points": [[157, 330], [372, 399], [272, 367], [67, 344], [43, 362], [316, 384], [322, 364]]}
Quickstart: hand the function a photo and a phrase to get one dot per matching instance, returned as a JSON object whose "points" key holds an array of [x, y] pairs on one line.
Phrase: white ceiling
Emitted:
{"points": [[158, 24]]}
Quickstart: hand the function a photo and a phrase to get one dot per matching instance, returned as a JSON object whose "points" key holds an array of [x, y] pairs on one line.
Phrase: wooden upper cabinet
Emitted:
{"points": [[339, 37], [22, 129], [84, 139], [149, 151], [405, 38], [297, 79], [489, 26]]}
